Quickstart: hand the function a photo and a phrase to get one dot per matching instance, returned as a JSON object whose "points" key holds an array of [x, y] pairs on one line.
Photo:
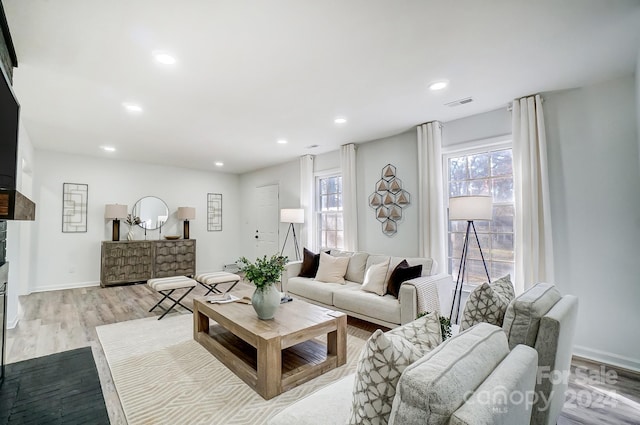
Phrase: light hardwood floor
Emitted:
{"points": [[63, 320]]}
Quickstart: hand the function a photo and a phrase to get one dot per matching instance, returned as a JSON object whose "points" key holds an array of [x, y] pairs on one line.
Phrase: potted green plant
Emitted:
{"points": [[264, 273]]}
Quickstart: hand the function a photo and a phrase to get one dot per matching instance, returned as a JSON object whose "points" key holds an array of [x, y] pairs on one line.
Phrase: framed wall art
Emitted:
{"points": [[74, 207], [214, 212]]}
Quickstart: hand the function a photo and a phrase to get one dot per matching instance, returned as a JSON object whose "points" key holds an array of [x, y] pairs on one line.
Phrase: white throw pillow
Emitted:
{"points": [[332, 269], [375, 278]]}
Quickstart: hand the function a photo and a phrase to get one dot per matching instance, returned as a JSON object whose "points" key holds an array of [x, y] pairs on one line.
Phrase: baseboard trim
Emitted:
{"points": [[612, 359], [65, 286]]}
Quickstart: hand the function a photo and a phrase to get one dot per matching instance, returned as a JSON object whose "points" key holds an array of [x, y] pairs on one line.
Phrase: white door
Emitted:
{"points": [[267, 221]]}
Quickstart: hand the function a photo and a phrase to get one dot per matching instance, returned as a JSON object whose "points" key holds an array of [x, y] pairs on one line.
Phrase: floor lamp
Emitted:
{"points": [[469, 208], [292, 216]]}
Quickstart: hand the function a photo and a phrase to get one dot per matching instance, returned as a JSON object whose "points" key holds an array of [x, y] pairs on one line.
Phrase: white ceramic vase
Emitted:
{"points": [[265, 301]]}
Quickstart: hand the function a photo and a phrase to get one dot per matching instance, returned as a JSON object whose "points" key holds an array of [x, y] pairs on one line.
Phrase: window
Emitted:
{"points": [[483, 172], [329, 212]]}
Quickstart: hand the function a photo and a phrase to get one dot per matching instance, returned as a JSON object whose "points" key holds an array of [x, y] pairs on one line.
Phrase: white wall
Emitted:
{"points": [[402, 152], [638, 100], [481, 126], [63, 260], [595, 206], [287, 177]]}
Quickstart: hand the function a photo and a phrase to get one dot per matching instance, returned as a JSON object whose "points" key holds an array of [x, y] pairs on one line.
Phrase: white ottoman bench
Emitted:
{"points": [[166, 286], [211, 280]]}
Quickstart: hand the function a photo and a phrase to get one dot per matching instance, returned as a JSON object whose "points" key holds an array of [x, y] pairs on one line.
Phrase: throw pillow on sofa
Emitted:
{"points": [[310, 263], [381, 362], [374, 278], [424, 333], [332, 269], [402, 273], [488, 303]]}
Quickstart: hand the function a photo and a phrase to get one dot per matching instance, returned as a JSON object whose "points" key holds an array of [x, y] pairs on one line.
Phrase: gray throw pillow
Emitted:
{"points": [[382, 361], [488, 303]]}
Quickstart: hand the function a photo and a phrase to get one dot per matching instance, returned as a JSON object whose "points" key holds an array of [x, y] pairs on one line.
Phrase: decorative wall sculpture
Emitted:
{"points": [[214, 212], [389, 199], [74, 207]]}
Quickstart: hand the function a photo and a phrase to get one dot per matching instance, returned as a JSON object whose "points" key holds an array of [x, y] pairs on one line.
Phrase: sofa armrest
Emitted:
{"points": [[291, 269], [421, 294]]}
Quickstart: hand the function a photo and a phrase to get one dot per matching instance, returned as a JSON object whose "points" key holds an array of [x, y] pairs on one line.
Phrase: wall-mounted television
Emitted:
{"points": [[9, 118]]}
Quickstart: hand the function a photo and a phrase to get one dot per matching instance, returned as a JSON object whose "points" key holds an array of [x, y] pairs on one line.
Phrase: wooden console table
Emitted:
{"points": [[135, 261]]}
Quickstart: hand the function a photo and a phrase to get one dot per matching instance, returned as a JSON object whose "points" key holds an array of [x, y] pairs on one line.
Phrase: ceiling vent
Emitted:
{"points": [[459, 102]]}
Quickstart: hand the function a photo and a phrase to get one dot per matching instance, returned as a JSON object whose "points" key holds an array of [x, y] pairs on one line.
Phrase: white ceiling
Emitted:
{"points": [[251, 72]]}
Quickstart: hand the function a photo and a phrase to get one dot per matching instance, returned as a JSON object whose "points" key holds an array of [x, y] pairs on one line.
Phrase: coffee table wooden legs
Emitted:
{"points": [[269, 368], [337, 341]]}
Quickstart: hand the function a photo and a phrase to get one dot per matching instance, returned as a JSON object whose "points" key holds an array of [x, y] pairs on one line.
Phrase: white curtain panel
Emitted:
{"points": [[349, 196], [533, 243], [306, 200], [431, 217]]}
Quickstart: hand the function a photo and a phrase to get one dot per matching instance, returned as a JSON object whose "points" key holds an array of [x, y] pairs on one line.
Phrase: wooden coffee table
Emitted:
{"points": [[272, 356]]}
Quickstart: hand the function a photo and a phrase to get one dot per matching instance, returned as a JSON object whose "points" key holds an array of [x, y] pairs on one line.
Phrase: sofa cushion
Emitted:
{"points": [[357, 264], [310, 263], [318, 291], [425, 332], [435, 386], [426, 263], [332, 269], [488, 303], [385, 308], [381, 362], [374, 278], [522, 319], [400, 274], [498, 400]]}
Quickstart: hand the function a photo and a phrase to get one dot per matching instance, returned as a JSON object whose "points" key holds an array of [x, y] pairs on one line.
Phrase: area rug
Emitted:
{"points": [[163, 376], [62, 388]]}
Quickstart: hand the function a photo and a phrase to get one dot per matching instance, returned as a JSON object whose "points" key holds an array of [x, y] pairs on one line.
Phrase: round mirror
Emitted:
{"points": [[153, 212]]}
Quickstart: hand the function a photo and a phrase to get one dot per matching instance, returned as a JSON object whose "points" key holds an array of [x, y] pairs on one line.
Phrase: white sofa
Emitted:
{"points": [[449, 385], [415, 295], [540, 318]]}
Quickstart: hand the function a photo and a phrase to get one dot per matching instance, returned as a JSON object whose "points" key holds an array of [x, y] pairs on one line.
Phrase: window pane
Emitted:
{"points": [[480, 187], [458, 169], [458, 226], [474, 251], [458, 188], [479, 166], [503, 189], [500, 269], [502, 247], [503, 218], [331, 240], [501, 163]]}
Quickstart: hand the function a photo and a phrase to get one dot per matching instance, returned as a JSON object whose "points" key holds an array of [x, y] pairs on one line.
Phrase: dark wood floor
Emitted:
{"points": [[57, 321]]}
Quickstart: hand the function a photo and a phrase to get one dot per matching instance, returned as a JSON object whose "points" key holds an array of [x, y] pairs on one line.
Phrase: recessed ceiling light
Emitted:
{"points": [[219, 163], [438, 85], [108, 148], [282, 142], [132, 107], [164, 58], [340, 120]]}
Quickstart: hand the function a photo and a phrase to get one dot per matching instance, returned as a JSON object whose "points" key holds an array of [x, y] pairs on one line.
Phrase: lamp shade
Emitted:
{"points": [[470, 208], [292, 215], [186, 213], [115, 211]]}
